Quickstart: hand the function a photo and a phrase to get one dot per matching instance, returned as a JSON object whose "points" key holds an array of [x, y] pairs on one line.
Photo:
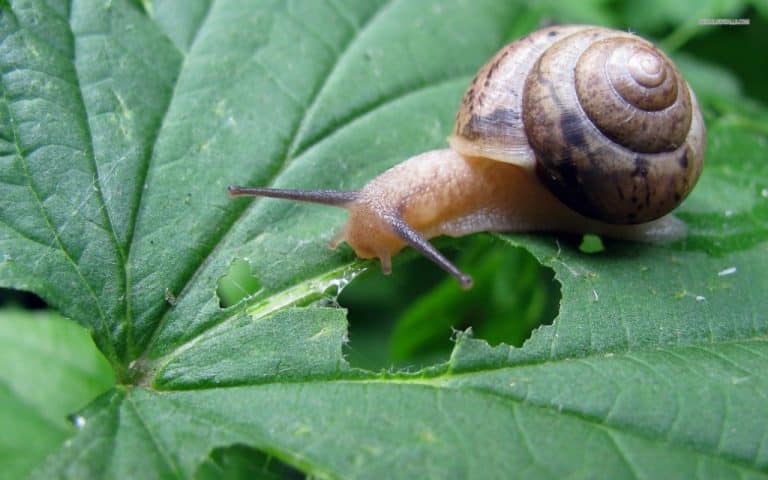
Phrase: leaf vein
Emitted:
{"points": [[173, 467], [622, 453], [44, 214]]}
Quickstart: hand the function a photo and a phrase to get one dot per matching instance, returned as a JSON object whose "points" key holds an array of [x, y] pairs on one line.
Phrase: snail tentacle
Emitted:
{"points": [[416, 241], [324, 197]]}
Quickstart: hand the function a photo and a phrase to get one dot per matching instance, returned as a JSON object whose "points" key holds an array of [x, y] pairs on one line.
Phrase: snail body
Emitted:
{"points": [[570, 129]]}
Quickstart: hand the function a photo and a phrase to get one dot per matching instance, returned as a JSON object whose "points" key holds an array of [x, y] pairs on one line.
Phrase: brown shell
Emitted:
{"points": [[604, 118]]}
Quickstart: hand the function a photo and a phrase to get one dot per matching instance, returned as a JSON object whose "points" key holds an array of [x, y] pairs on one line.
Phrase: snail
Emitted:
{"points": [[573, 129]]}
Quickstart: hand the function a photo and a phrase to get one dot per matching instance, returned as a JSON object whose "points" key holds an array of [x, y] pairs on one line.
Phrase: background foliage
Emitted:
{"points": [[221, 345]]}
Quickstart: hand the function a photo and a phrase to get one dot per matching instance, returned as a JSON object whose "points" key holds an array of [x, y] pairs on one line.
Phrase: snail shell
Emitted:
{"points": [[604, 118]]}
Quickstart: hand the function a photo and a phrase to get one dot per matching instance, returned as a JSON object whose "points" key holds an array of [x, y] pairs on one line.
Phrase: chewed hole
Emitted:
{"points": [[407, 319], [20, 298], [237, 284], [591, 244], [241, 461]]}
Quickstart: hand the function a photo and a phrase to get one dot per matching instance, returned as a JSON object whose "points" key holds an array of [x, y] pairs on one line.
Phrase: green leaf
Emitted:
{"points": [[50, 369], [122, 123]]}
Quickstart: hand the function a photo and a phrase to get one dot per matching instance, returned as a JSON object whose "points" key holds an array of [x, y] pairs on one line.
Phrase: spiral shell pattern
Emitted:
{"points": [[604, 117]]}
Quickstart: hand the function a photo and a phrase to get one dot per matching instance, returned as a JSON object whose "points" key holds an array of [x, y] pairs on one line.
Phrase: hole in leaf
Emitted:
{"points": [[408, 319], [591, 244], [237, 284], [238, 462], [20, 298]]}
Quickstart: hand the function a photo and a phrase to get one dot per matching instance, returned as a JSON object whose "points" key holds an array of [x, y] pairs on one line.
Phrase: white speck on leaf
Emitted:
{"points": [[727, 271], [78, 421]]}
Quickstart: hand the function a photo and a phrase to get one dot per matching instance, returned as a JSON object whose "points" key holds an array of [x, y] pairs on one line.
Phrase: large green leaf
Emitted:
{"points": [[123, 122]]}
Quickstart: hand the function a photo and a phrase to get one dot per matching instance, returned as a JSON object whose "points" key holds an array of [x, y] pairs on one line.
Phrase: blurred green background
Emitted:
{"points": [[407, 320]]}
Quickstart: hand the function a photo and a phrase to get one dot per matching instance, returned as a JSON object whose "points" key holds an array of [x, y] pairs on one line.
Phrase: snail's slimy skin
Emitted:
{"points": [[572, 129], [495, 197]]}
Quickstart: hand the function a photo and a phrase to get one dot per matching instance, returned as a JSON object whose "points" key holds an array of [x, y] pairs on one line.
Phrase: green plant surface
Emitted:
{"points": [[50, 370], [121, 125]]}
